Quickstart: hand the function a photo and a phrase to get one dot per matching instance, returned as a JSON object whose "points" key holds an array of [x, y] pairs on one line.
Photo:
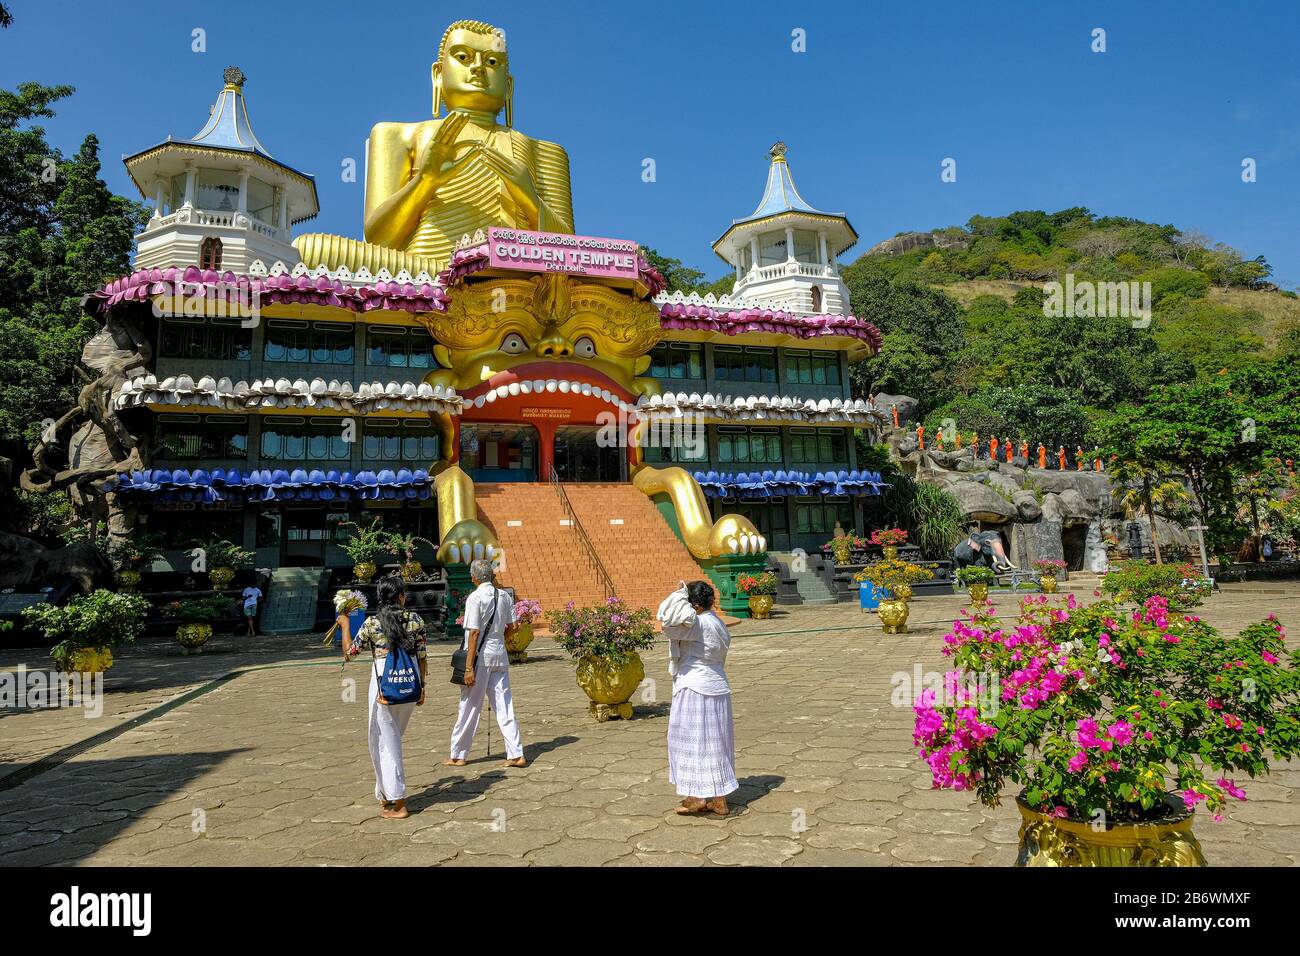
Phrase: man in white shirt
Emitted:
{"points": [[488, 671], [252, 597]]}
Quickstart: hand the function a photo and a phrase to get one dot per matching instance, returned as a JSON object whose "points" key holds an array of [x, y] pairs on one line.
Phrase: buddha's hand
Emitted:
{"points": [[518, 180], [439, 163]]}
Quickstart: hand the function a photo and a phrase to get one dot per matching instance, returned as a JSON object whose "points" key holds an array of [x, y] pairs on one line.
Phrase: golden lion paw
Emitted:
{"points": [[468, 541], [736, 534]]}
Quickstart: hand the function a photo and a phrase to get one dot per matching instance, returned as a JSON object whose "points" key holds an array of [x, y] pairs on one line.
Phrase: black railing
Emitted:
{"points": [[588, 549]]}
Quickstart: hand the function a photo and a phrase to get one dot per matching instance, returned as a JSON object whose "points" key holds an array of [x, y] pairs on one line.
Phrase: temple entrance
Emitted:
{"points": [[306, 532], [499, 452], [580, 457]]}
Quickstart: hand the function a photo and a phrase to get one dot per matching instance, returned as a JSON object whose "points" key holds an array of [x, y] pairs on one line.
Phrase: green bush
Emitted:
{"points": [[1135, 581], [101, 619]]}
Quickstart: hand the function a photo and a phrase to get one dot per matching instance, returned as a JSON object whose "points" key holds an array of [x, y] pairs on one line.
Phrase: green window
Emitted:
{"points": [[320, 343], [414, 444], [294, 440], [749, 446], [201, 437], [731, 363], [819, 517], [396, 346], [804, 367], [210, 340], [823, 446], [677, 360]]}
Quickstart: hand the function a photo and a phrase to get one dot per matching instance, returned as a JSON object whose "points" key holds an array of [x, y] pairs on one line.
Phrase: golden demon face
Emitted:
{"points": [[545, 327]]}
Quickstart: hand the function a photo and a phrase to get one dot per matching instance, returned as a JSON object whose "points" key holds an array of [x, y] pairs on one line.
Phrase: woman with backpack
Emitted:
{"points": [[398, 669]]}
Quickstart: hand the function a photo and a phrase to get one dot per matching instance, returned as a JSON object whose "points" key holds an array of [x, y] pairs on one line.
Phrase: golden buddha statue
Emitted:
{"points": [[432, 182]]}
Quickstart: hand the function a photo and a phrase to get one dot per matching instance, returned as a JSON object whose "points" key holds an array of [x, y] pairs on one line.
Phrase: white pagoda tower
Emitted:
{"points": [[785, 252], [220, 200]]}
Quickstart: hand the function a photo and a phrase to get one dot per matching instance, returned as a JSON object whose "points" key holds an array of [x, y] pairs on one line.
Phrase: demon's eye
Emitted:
{"points": [[584, 348], [514, 344]]}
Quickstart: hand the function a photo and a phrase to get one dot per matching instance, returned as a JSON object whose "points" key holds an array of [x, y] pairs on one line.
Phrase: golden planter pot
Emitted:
{"points": [[760, 606], [902, 592], [893, 614], [1053, 841], [128, 579], [410, 570], [842, 549], [221, 578], [89, 660], [610, 686], [979, 593], [364, 571], [517, 643], [891, 552], [1047, 582], [192, 637]]}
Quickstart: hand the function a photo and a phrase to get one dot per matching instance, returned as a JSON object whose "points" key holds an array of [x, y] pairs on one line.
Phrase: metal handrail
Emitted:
{"points": [[587, 547]]}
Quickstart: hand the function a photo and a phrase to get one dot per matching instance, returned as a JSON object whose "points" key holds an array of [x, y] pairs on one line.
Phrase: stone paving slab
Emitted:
{"points": [[271, 768]]}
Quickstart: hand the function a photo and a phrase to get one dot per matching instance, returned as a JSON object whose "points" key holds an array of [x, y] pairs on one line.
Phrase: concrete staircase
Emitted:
{"points": [[545, 561], [291, 597], [810, 583]]}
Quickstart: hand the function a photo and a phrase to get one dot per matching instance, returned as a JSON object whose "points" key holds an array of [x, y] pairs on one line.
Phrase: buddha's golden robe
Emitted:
{"points": [[474, 199]]}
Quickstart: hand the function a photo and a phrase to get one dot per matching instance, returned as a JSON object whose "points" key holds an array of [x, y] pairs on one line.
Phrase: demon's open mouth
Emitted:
{"points": [[541, 378]]}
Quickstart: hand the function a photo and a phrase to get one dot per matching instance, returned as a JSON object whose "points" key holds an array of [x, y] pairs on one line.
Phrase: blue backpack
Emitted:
{"points": [[400, 682]]}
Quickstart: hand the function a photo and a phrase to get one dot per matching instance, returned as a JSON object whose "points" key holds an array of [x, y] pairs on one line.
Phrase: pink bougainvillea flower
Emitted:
{"points": [[1268, 657], [1232, 721], [1078, 762], [1121, 732], [1231, 789], [1147, 735], [1191, 798], [1213, 704]]}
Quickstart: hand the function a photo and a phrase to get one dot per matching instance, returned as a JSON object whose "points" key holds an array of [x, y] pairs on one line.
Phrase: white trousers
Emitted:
{"points": [[387, 725], [496, 680]]}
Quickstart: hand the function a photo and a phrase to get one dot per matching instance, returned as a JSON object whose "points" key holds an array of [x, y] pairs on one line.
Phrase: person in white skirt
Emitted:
{"points": [[701, 742], [391, 624], [489, 612]]}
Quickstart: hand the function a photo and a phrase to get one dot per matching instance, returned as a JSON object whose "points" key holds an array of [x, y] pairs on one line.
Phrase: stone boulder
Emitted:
{"points": [[1074, 508], [28, 565], [1027, 507], [979, 502], [907, 408]]}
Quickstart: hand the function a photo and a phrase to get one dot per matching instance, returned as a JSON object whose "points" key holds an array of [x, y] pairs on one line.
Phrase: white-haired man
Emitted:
{"points": [[489, 616]]}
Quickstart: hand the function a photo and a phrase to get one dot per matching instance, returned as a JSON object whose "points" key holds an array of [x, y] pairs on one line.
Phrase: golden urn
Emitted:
{"points": [[610, 685], [979, 593], [192, 637], [842, 549], [1046, 840], [364, 571], [1047, 582], [902, 592], [128, 579], [410, 570], [517, 643], [893, 614], [891, 552], [760, 606], [89, 660], [221, 578]]}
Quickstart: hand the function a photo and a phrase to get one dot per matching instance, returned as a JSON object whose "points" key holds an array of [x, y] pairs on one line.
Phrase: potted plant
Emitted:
{"points": [[976, 579], [888, 540], [404, 545], [132, 556], [86, 629], [603, 641], [1115, 725], [364, 545], [897, 577], [1182, 585], [526, 612], [194, 618], [759, 588], [223, 558], [1048, 569]]}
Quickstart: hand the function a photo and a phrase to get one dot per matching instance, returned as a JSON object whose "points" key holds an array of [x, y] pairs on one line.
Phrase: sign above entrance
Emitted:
{"points": [[529, 251]]}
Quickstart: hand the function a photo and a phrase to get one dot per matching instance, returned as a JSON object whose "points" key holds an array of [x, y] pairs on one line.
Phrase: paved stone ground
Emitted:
{"points": [[271, 767]]}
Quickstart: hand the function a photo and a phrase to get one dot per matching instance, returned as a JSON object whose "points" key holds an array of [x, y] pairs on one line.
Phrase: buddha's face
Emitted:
{"points": [[474, 71]]}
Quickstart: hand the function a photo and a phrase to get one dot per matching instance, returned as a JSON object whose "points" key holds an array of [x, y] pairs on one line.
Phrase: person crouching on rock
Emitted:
{"points": [[701, 741]]}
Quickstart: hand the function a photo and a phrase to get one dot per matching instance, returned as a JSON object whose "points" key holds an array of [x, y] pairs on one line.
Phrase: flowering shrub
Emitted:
{"points": [[610, 630], [888, 537], [1049, 566], [853, 542], [1106, 710], [1182, 585], [527, 610], [198, 610], [101, 619], [752, 584], [893, 573], [366, 542]]}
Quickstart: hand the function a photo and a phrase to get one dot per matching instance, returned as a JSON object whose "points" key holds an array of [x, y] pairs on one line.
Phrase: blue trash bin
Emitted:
{"points": [[870, 596], [355, 620]]}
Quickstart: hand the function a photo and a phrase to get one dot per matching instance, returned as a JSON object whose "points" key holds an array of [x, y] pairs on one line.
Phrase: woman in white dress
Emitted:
{"points": [[701, 744], [393, 625]]}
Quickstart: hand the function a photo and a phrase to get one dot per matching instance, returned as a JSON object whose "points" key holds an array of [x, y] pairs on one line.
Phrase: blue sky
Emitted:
{"points": [[1156, 127]]}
